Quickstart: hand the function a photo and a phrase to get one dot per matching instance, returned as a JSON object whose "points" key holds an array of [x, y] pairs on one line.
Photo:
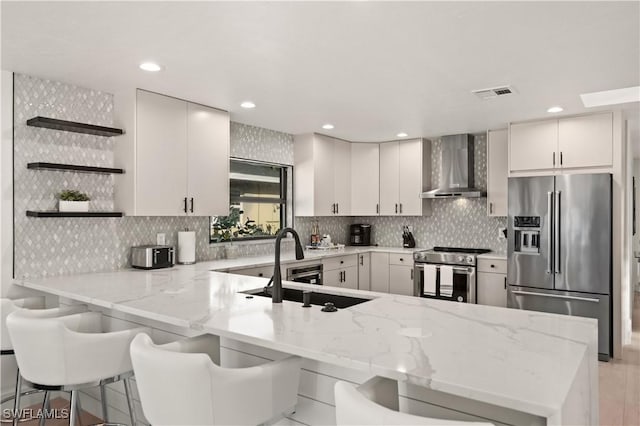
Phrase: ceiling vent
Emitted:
{"points": [[493, 92]]}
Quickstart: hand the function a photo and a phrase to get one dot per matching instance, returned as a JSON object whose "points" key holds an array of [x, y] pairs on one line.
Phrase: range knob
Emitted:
{"points": [[460, 259], [469, 260]]}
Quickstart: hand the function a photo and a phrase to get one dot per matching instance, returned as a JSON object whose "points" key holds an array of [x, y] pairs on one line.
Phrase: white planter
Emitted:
{"points": [[73, 206]]}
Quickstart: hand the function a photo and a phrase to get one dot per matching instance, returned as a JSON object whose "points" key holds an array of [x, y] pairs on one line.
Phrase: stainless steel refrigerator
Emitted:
{"points": [[560, 249]]}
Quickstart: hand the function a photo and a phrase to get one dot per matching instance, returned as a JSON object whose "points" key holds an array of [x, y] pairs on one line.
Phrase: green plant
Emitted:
{"points": [[228, 228], [72, 195]]}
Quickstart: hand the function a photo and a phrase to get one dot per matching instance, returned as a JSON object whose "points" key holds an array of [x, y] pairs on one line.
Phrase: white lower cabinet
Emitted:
{"points": [[392, 273], [380, 272], [364, 271], [401, 280], [260, 271], [492, 282], [341, 271]]}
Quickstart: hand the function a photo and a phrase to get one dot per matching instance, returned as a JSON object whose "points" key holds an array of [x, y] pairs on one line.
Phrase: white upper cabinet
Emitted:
{"points": [[405, 172], [497, 172], [569, 143], [322, 176], [365, 179], [175, 154], [533, 145], [161, 156], [389, 178], [208, 160], [586, 141], [342, 177]]}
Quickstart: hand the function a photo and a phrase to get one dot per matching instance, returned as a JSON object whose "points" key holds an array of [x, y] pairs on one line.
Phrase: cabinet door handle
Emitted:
{"points": [[554, 159], [505, 283], [333, 208], [185, 204], [490, 208], [400, 208], [561, 158], [337, 208], [362, 260], [377, 208], [396, 208], [191, 204], [411, 274]]}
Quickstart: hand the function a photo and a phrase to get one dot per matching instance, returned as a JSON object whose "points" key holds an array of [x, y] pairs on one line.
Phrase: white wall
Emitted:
{"points": [[6, 182]]}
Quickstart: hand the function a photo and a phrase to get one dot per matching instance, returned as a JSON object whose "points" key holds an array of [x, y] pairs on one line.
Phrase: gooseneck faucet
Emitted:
{"points": [[276, 296]]}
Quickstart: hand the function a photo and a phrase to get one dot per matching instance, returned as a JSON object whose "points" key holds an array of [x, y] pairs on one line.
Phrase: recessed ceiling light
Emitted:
{"points": [[611, 97], [555, 109], [150, 66], [248, 104], [327, 126], [402, 135]]}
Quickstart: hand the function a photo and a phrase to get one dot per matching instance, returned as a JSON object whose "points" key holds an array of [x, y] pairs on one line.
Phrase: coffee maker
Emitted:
{"points": [[360, 234]]}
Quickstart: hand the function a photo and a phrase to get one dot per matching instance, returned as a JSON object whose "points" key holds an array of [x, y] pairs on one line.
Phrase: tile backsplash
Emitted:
{"points": [[59, 246]]}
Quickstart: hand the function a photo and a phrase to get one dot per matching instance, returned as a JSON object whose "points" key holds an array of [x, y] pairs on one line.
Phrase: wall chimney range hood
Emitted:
{"points": [[456, 169]]}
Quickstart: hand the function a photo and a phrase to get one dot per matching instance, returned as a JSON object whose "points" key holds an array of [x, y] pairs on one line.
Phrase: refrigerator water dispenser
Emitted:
{"points": [[526, 234]]}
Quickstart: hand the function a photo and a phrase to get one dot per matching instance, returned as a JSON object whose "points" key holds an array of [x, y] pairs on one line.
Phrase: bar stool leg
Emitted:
{"points": [[16, 400], [73, 415], [103, 400], [132, 408], [45, 407]]}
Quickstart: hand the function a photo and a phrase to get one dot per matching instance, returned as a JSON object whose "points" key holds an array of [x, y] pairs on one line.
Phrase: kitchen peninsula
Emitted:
{"points": [[540, 366]]}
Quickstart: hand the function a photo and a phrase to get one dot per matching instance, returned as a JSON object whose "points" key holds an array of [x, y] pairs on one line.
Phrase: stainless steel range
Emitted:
{"points": [[447, 273]]}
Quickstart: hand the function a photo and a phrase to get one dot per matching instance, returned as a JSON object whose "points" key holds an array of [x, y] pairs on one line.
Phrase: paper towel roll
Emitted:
{"points": [[186, 247]]}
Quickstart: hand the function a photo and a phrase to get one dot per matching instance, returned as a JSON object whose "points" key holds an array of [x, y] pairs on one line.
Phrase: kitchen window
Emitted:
{"points": [[259, 204]]}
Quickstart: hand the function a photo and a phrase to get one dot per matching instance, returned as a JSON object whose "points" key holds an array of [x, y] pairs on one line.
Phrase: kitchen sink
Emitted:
{"points": [[317, 298]]}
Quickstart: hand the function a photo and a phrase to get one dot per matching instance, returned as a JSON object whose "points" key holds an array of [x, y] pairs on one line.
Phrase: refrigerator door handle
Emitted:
{"points": [[549, 232], [557, 225], [555, 296]]}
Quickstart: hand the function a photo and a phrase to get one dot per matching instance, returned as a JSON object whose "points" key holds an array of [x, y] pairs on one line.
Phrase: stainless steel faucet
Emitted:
{"points": [[276, 296]]}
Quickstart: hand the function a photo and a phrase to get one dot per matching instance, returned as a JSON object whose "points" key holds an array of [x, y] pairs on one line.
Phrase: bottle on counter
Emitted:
{"points": [[315, 234]]}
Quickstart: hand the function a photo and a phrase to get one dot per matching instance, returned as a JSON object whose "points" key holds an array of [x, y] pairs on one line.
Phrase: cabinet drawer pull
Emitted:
{"points": [[402, 259], [341, 262], [493, 266]]}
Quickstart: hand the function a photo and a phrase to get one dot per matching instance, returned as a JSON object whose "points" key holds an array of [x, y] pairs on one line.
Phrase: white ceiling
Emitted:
{"points": [[372, 69]]}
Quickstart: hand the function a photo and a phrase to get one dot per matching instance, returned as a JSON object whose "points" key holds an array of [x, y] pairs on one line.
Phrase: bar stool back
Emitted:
{"points": [[71, 353]]}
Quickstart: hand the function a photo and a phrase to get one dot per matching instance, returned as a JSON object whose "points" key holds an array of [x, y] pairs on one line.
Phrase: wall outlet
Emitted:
{"points": [[161, 239], [501, 233]]}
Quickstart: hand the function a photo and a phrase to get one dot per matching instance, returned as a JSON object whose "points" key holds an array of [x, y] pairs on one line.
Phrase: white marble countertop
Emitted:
{"points": [[496, 256], [526, 361]]}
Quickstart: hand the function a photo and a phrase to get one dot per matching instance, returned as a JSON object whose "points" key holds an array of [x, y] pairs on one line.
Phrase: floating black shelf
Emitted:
{"points": [[72, 126], [52, 213], [73, 168]]}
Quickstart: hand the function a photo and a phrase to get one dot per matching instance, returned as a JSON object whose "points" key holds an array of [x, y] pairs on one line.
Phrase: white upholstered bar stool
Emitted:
{"points": [[37, 307], [71, 353], [375, 402], [181, 383]]}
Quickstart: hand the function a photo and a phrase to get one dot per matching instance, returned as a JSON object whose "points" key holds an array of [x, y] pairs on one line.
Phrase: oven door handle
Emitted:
{"points": [[465, 270], [306, 274]]}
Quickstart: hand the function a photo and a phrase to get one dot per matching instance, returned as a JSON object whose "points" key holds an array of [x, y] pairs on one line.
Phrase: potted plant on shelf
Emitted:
{"points": [[71, 200]]}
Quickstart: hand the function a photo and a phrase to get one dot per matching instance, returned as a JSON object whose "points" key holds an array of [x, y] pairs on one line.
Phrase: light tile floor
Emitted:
{"points": [[620, 381]]}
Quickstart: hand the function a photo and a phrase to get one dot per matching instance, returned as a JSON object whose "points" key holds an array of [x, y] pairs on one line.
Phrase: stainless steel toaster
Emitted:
{"points": [[153, 257]]}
